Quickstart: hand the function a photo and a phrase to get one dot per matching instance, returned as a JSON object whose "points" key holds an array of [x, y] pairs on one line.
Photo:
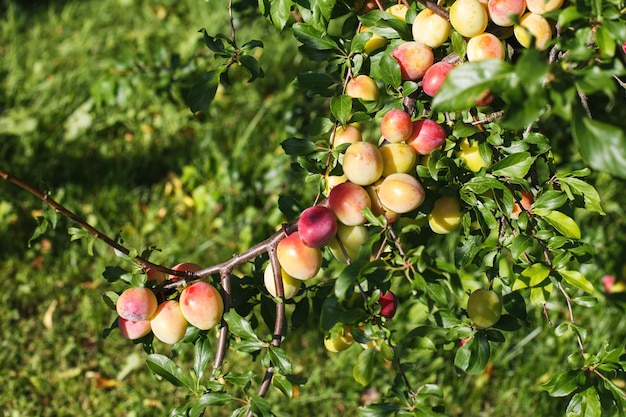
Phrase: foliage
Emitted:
{"points": [[539, 261]]}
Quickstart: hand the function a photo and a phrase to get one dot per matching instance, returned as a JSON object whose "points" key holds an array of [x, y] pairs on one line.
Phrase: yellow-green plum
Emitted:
{"points": [[133, 329], [533, 26], [435, 76], [484, 308], [543, 6], [430, 29], [290, 284], [374, 43], [414, 59], [484, 46], [333, 180], [468, 17], [136, 304], [168, 323], [362, 163], [397, 157], [339, 342], [427, 135], [317, 226], [363, 87], [401, 193], [297, 259], [201, 305], [352, 238], [346, 134], [445, 215], [470, 154], [396, 125], [398, 10], [502, 11], [347, 200]]}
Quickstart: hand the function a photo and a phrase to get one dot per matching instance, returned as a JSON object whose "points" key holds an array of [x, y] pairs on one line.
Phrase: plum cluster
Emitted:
{"points": [[140, 312]]}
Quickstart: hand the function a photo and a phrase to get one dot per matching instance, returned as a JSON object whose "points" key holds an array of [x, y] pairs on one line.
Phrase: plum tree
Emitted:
{"points": [[498, 138]]}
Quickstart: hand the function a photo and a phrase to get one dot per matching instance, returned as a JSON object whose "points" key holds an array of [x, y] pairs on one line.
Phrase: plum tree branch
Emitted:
{"points": [[61, 209]]}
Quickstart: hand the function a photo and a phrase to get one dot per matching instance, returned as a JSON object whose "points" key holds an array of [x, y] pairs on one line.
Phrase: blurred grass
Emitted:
{"points": [[92, 110]]}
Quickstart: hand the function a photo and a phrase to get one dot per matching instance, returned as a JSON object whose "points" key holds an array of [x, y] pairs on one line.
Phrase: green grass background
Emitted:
{"points": [[92, 110]]}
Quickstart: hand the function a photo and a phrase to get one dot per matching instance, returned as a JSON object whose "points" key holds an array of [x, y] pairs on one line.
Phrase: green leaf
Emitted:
{"points": [[585, 403], [467, 83], [378, 410], [602, 145], [313, 38], [298, 147], [202, 357], [341, 107], [208, 399], [536, 273], [563, 384], [516, 165], [586, 190], [550, 200], [202, 93], [348, 276], [278, 12], [390, 71], [166, 368], [561, 222], [280, 359], [576, 279], [363, 370], [239, 326], [251, 65]]}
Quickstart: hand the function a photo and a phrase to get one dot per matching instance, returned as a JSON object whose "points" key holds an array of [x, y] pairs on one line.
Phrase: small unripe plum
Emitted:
{"points": [[352, 238], [346, 134], [133, 329], [388, 304], [500, 11], [184, 266], [430, 29], [347, 200], [374, 43], [155, 275], [362, 163], [317, 226], [533, 26], [484, 46], [340, 342], [332, 181], [470, 154], [136, 304], [297, 259], [484, 308], [401, 193], [427, 136], [290, 284], [168, 323], [543, 6], [414, 59], [397, 157], [398, 10], [468, 17], [445, 215], [201, 305], [435, 76], [362, 87], [396, 125]]}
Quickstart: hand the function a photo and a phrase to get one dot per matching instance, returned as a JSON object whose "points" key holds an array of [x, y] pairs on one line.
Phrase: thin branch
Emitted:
{"points": [[59, 208]]}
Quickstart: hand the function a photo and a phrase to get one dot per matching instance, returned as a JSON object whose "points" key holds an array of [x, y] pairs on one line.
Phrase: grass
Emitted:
{"points": [[92, 110]]}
